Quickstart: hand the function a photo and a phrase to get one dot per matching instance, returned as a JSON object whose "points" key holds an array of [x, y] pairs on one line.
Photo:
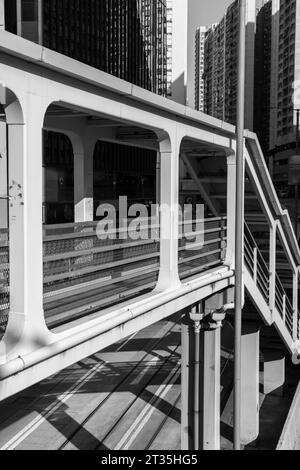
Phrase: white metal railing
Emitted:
{"points": [[261, 276], [4, 280], [77, 263], [194, 257]]}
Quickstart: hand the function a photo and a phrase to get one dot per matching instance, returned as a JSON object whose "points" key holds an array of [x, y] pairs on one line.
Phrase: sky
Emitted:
{"points": [[208, 11], [202, 13]]}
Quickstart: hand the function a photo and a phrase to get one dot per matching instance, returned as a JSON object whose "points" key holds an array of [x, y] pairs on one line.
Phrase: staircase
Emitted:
{"points": [[271, 252]]}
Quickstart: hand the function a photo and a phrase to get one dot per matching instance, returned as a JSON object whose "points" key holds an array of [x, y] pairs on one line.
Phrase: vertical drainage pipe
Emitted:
{"points": [[239, 222]]}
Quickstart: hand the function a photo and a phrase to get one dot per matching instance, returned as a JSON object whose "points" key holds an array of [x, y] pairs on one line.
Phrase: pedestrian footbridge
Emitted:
{"points": [[66, 293]]}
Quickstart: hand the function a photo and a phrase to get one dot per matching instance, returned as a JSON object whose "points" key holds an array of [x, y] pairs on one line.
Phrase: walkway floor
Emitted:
{"points": [[127, 397]]}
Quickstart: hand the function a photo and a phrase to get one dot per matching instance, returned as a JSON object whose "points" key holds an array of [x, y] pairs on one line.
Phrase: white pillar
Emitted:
{"points": [[26, 318], [19, 17], [3, 176], [274, 370], [83, 149], [2, 15], [201, 388], [186, 382], [231, 183], [210, 389], [250, 383], [169, 218], [157, 187]]}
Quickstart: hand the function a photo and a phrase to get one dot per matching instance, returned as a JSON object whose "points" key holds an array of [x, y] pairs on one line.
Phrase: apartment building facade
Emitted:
{"points": [[199, 67], [127, 39], [285, 95]]}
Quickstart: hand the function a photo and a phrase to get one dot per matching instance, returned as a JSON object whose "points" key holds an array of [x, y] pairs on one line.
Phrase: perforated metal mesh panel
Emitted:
{"points": [[199, 251], [84, 272], [4, 281]]}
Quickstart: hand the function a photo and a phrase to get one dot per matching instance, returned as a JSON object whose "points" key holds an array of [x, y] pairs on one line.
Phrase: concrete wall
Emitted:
{"points": [[290, 438]]}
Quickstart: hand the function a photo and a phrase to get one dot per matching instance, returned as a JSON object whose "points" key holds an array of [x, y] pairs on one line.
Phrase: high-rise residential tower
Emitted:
{"points": [[285, 95], [130, 39], [220, 65], [263, 75], [199, 67], [178, 49], [288, 72], [127, 39]]}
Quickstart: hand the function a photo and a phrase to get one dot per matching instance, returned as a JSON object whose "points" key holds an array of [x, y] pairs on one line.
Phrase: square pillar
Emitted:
{"points": [[250, 382], [274, 371], [231, 212], [201, 388], [157, 188], [84, 179], [3, 177], [169, 216], [24, 136], [2, 15], [187, 381], [210, 389]]}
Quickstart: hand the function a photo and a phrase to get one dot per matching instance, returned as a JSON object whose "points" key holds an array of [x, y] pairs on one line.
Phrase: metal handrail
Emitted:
{"points": [[262, 273]]}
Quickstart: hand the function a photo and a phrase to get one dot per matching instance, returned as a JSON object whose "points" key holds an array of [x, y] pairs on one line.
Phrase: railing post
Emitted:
{"points": [[295, 304], [284, 308], [272, 257], [255, 252], [231, 183]]}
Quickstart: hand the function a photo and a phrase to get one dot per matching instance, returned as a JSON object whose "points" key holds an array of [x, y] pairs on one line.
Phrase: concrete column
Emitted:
{"points": [[201, 384], [2, 15], [231, 183], [187, 370], [83, 149], [157, 188], [26, 317], [169, 216], [3, 176], [274, 370], [210, 388], [19, 17], [250, 382]]}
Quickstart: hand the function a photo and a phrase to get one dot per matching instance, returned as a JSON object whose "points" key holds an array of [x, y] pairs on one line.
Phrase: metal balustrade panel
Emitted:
{"points": [[4, 280], [85, 271], [202, 245]]}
